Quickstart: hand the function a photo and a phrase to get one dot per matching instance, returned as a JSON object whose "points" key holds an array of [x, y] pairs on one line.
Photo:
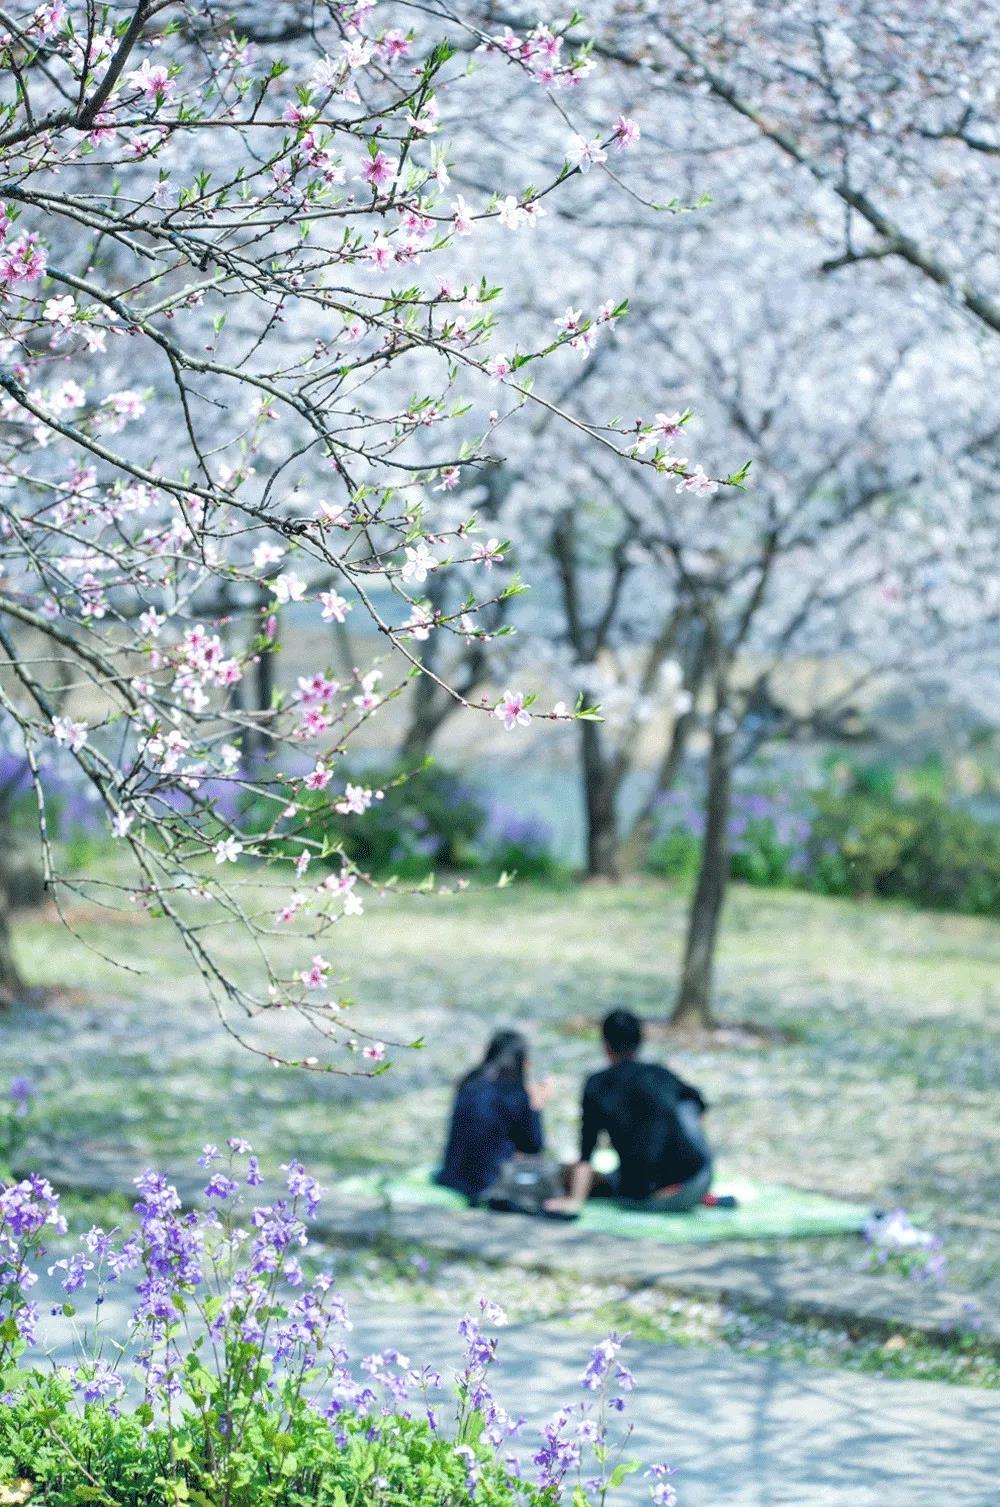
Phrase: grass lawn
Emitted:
{"points": [[879, 1081]]}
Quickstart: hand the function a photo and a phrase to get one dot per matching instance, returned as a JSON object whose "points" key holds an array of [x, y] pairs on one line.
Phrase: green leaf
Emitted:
{"points": [[621, 1473]]}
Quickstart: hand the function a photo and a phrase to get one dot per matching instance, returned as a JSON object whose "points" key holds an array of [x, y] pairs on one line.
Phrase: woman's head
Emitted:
{"points": [[505, 1060]]}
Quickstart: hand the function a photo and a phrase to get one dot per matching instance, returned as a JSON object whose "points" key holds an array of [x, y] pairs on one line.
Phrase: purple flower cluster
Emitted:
{"points": [[21, 1093], [27, 1210], [235, 1277]]}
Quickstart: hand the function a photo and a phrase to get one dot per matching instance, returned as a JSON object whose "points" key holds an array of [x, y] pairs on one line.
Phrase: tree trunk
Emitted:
{"points": [[12, 985], [644, 825], [694, 1000], [429, 707], [257, 740], [600, 789], [695, 662]]}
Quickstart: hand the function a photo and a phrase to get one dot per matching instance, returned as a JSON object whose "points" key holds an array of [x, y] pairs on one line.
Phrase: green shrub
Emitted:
{"points": [[419, 820], [285, 1458], [762, 858], [675, 855], [924, 851]]}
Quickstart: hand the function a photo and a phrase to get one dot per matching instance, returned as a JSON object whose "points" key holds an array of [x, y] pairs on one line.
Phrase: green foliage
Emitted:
{"points": [[427, 818], [277, 1453], [923, 850], [762, 858], [675, 855], [524, 859]]}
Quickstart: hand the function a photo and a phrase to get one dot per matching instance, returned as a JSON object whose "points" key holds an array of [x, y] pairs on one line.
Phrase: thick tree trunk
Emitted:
{"points": [[600, 789], [257, 740], [429, 707], [694, 1000]]}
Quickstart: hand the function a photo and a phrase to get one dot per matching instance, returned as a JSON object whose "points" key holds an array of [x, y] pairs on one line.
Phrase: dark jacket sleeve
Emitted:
{"points": [[593, 1122], [684, 1091], [526, 1130]]}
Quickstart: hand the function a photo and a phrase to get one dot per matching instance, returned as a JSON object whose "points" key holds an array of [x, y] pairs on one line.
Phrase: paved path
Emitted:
{"points": [[756, 1434], [741, 1433], [783, 1283]]}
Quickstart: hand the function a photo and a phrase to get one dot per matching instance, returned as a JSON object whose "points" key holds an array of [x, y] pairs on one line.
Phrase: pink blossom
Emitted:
{"points": [[626, 133], [511, 214], [128, 405], [419, 562], [67, 395], [667, 428], [333, 512], [316, 689], [368, 700], [420, 622], [326, 74], [571, 320], [380, 253], [427, 122], [48, 19], [375, 1052], [394, 44], [72, 734], [152, 80], [698, 483], [499, 366], [151, 622], [511, 711], [318, 778], [288, 587], [60, 311], [584, 154], [335, 608], [357, 51], [314, 977], [379, 170], [355, 802], [23, 261], [487, 554], [314, 722], [462, 223], [289, 910], [450, 477], [267, 554]]}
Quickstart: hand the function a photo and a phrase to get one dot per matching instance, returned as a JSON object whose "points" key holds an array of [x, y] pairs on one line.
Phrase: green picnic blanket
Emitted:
{"points": [[765, 1211]]}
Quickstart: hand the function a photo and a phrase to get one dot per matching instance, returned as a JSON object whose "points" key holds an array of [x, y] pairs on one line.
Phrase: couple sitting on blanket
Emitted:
{"points": [[651, 1117]]}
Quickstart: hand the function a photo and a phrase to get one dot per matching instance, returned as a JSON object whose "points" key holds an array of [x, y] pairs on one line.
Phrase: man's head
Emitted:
{"points": [[622, 1032]]}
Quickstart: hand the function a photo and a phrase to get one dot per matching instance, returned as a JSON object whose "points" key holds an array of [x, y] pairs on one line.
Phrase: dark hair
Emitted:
{"points": [[622, 1032], [505, 1061]]}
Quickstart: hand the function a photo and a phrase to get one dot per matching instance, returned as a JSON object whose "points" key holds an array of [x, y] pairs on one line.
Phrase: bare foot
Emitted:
{"points": [[563, 1205]]}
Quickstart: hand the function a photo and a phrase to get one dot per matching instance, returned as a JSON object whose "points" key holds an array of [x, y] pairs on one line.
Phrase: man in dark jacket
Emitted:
{"points": [[653, 1120]]}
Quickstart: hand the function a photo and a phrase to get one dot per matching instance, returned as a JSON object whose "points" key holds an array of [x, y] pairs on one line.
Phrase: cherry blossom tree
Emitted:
{"points": [[863, 398], [888, 110], [248, 356]]}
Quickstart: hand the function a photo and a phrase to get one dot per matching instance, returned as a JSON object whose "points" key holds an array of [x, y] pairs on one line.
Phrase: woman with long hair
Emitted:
{"points": [[497, 1112]]}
